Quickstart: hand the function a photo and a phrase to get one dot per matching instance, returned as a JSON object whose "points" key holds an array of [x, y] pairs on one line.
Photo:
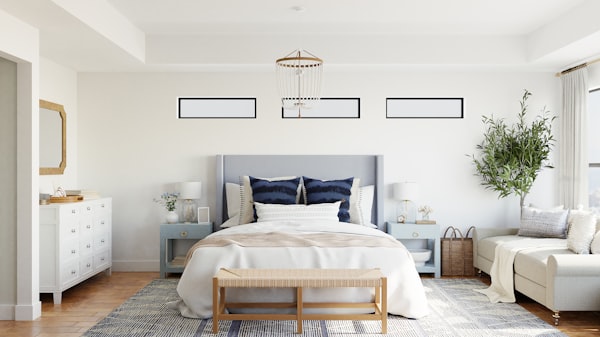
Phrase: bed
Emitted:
{"points": [[293, 235]]}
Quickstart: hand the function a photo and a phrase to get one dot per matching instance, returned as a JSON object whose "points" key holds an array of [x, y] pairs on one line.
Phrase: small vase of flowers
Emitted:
{"points": [[169, 201], [425, 211]]}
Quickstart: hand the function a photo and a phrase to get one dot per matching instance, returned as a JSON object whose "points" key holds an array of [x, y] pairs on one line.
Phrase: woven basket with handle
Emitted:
{"points": [[457, 253]]}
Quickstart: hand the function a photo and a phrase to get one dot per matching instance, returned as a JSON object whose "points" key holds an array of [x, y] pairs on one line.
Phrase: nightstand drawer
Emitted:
{"points": [[411, 231]]}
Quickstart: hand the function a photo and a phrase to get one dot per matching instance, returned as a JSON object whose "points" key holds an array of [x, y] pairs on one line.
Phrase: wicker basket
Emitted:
{"points": [[457, 253]]}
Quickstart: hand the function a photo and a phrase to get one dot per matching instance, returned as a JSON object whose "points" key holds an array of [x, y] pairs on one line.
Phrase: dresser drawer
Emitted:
{"points": [[102, 260], [86, 265], [69, 273], [69, 250]]}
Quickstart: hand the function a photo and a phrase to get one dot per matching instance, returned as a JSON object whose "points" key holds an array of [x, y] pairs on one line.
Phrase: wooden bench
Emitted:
{"points": [[300, 279]]}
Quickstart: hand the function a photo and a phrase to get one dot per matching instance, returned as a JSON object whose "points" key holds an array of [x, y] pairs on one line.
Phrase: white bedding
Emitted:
{"points": [[406, 295]]}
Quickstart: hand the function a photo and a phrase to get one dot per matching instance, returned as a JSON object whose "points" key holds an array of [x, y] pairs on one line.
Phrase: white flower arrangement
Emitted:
{"points": [[168, 200], [425, 210]]}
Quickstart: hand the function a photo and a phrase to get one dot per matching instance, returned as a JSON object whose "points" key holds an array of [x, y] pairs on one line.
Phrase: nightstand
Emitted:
{"points": [[431, 233], [180, 231]]}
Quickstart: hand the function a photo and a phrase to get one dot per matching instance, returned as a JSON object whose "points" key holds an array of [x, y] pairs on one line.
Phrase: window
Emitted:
{"points": [[594, 149]]}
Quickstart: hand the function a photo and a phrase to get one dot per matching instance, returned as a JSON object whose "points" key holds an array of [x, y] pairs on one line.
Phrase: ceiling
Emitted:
{"points": [[242, 35]]}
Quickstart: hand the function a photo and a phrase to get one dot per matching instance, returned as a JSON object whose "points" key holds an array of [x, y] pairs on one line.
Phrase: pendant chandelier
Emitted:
{"points": [[299, 77]]}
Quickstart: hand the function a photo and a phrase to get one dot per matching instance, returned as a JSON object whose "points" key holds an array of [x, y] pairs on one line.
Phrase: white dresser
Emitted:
{"points": [[75, 243]]}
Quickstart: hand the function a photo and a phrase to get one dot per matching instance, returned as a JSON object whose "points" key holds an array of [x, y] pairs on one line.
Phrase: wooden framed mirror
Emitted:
{"points": [[53, 138]]}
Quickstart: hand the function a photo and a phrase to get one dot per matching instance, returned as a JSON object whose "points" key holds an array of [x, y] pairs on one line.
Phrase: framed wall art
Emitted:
{"points": [[328, 108], [216, 107], [424, 107]]}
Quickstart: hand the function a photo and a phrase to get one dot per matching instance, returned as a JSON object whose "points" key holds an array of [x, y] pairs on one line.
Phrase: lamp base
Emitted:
{"points": [[189, 211]]}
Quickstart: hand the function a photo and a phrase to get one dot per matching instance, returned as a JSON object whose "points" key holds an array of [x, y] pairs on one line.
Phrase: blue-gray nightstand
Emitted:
{"points": [[170, 232], [431, 233]]}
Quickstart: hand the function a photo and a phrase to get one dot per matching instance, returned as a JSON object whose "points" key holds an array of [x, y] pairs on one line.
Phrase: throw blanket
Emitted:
{"points": [[502, 288]]}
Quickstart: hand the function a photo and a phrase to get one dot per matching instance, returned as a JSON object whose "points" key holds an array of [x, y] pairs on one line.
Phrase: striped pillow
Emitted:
{"points": [[246, 202], [328, 191], [316, 212]]}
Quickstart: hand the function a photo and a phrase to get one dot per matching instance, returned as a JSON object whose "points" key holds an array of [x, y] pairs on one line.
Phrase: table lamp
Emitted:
{"points": [[190, 191], [406, 192]]}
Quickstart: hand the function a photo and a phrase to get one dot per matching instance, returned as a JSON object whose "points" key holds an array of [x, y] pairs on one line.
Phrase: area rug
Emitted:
{"points": [[456, 310]]}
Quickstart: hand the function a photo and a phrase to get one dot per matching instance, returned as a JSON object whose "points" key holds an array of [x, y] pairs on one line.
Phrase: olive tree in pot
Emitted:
{"points": [[510, 157]]}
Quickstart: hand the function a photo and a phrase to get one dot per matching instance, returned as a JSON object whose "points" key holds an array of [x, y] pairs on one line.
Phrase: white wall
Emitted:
{"points": [[58, 84], [19, 299], [132, 146]]}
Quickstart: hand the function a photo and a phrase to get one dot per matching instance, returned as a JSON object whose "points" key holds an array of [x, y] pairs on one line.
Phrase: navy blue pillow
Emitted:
{"points": [[282, 192], [327, 191]]}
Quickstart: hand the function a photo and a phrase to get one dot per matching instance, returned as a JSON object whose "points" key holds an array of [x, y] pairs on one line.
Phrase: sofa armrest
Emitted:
{"points": [[574, 264], [573, 282], [482, 233]]}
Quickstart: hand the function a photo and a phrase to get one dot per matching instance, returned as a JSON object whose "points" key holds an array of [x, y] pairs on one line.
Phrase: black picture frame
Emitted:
{"points": [[414, 107], [216, 107], [329, 107]]}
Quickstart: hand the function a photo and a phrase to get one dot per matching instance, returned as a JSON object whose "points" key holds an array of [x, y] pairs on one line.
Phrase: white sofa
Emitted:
{"points": [[556, 278]]}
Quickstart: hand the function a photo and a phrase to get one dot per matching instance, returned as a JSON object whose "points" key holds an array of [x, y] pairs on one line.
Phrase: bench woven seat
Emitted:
{"points": [[299, 279]]}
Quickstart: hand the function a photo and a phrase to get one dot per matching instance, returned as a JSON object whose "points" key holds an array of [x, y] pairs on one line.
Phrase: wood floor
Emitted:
{"points": [[83, 305]]}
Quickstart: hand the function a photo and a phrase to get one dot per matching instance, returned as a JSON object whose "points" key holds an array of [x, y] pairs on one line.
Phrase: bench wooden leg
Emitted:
{"points": [[215, 292], [299, 306], [384, 305]]}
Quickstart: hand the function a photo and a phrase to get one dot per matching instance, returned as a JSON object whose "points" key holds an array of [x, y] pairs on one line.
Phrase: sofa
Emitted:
{"points": [[557, 278]]}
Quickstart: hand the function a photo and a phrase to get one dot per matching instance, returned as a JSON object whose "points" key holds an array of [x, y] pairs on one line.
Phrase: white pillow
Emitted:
{"points": [[582, 227], [233, 221], [233, 194], [275, 212], [595, 246], [360, 211], [246, 210]]}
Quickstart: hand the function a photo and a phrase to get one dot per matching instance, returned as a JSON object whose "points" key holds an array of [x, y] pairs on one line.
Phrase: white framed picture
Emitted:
{"points": [[203, 215]]}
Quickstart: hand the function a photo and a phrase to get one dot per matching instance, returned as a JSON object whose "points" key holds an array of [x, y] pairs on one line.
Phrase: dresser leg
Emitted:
{"points": [[57, 297]]}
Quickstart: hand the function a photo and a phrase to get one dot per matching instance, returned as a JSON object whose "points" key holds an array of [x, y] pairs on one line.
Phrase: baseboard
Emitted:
{"points": [[28, 312], [136, 265], [7, 312]]}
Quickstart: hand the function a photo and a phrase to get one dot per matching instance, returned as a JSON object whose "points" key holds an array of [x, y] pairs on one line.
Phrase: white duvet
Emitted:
{"points": [[406, 295]]}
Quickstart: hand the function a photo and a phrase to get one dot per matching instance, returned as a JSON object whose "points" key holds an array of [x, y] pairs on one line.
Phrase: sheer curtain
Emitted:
{"points": [[573, 167]]}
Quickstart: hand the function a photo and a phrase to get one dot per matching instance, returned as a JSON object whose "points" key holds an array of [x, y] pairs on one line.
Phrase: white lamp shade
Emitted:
{"points": [[190, 190], [406, 191]]}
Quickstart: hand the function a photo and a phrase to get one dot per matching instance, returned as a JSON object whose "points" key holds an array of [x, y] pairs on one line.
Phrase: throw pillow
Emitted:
{"points": [[328, 191], [316, 212], [595, 246], [543, 223], [247, 202], [582, 227]]}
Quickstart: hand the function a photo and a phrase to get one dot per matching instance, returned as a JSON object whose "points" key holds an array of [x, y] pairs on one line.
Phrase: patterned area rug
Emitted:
{"points": [[456, 310]]}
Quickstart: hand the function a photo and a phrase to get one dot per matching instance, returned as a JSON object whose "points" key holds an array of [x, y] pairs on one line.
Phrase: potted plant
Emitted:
{"points": [[511, 157], [169, 201]]}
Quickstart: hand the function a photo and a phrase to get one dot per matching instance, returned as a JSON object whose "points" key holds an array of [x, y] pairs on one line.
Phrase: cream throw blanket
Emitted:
{"points": [[502, 288]]}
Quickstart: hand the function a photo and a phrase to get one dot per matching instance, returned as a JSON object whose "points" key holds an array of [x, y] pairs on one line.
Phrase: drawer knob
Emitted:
{"points": [[73, 272], [102, 222], [89, 208], [73, 251], [102, 259], [88, 226], [73, 230], [183, 234], [73, 211], [88, 265], [102, 241], [415, 234], [88, 246]]}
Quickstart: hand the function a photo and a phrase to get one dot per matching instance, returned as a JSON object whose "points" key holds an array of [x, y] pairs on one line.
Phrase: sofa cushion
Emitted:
{"points": [[487, 247], [531, 263]]}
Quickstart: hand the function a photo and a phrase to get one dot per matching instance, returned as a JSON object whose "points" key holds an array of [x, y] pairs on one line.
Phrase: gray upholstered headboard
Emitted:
{"points": [[369, 168]]}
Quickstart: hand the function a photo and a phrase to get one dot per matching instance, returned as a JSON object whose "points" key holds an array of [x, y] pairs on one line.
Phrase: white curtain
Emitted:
{"points": [[573, 167]]}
